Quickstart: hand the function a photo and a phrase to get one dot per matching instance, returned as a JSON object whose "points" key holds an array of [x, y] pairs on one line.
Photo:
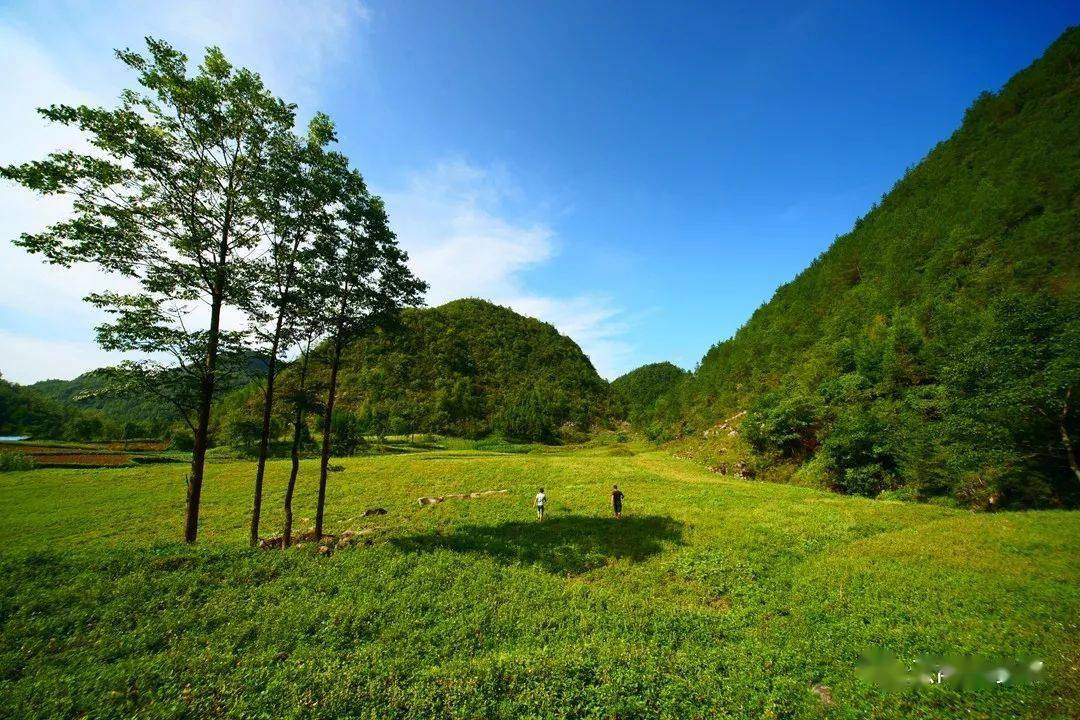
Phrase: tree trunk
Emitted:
{"points": [[264, 437], [286, 534], [324, 462], [206, 385], [268, 397], [202, 428], [1064, 430]]}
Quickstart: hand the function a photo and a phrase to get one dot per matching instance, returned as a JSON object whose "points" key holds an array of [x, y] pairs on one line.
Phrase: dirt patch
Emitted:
{"points": [[721, 603], [327, 543], [459, 496]]}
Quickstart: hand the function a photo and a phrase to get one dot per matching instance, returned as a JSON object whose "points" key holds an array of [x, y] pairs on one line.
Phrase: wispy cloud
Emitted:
{"points": [[469, 230], [465, 240]]}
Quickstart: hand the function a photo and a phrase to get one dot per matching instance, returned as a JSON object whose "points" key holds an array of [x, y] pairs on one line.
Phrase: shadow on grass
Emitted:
{"points": [[565, 545]]}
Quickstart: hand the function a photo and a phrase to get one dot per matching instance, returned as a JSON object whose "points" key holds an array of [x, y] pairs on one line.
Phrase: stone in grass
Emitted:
{"points": [[824, 694]]}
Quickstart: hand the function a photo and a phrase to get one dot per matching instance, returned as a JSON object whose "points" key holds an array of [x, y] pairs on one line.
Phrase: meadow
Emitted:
{"points": [[712, 597]]}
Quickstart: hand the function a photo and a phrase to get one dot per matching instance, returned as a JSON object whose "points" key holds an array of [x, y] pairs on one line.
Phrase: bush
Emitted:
{"points": [[15, 461], [784, 425], [242, 432], [182, 440], [347, 432], [858, 455]]}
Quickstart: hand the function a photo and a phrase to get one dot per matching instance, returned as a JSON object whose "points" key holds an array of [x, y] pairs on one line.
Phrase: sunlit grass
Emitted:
{"points": [[713, 597]]}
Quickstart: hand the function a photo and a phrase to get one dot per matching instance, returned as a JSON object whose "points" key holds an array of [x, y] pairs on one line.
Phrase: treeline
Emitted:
{"points": [[198, 191], [25, 411], [935, 349]]}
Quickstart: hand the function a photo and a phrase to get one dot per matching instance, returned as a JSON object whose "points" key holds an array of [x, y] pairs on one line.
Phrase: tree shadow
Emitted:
{"points": [[565, 545]]}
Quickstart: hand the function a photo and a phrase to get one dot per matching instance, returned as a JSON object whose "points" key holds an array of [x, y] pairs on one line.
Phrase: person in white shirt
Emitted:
{"points": [[541, 500]]}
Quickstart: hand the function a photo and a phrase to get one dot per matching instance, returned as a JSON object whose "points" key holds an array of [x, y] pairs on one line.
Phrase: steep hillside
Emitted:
{"points": [[936, 346], [469, 368], [639, 391]]}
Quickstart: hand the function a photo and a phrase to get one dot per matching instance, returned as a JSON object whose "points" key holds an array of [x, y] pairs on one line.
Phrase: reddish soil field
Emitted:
{"points": [[78, 458]]}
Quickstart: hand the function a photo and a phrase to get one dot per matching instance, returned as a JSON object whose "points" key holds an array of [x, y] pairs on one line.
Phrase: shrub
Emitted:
{"points": [[182, 440], [858, 455], [348, 433], [784, 425], [15, 461], [242, 432]]}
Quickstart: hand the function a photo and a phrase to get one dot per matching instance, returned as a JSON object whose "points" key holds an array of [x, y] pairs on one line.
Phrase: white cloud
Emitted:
{"points": [[456, 219], [29, 359], [39, 292], [448, 219], [291, 43], [465, 242]]}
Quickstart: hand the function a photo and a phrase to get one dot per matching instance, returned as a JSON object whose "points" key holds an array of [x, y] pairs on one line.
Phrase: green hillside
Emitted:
{"points": [[642, 392], [936, 346], [127, 414], [469, 368], [146, 416], [25, 410]]}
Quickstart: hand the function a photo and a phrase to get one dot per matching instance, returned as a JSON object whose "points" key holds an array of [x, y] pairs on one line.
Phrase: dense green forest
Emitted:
{"points": [[934, 349], [142, 415], [644, 392], [470, 368]]}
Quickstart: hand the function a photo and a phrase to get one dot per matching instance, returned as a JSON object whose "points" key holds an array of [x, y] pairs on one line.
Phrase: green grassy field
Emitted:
{"points": [[713, 597]]}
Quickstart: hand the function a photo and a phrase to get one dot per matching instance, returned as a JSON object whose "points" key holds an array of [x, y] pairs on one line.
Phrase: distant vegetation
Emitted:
{"points": [[26, 411], [935, 349], [644, 393], [470, 368]]}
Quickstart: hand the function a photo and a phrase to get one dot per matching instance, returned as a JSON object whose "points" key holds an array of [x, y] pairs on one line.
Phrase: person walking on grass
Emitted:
{"points": [[616, 501], [541, 501]]}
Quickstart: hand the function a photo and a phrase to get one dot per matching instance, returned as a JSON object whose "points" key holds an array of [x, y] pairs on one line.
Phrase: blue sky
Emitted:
{"points": [[642, 175]]}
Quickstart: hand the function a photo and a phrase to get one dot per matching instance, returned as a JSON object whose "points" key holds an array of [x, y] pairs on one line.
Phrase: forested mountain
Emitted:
{"points": [[936, 346], [127, 414], [145, 416], [469, 368], [643, 392]]}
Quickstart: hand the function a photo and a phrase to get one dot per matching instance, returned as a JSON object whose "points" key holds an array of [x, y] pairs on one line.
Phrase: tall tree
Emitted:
{"points": [[300, 188], [366, 284], [167, 198]]}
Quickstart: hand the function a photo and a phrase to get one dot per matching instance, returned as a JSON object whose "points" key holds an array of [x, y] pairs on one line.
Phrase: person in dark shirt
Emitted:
{"points": [[616, 500]]}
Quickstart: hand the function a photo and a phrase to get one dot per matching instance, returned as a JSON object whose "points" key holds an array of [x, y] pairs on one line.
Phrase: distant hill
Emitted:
{"points": [[149, 416], [129, 414], [638, 391], [934, 349], [26, 411], [471, 368]]}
